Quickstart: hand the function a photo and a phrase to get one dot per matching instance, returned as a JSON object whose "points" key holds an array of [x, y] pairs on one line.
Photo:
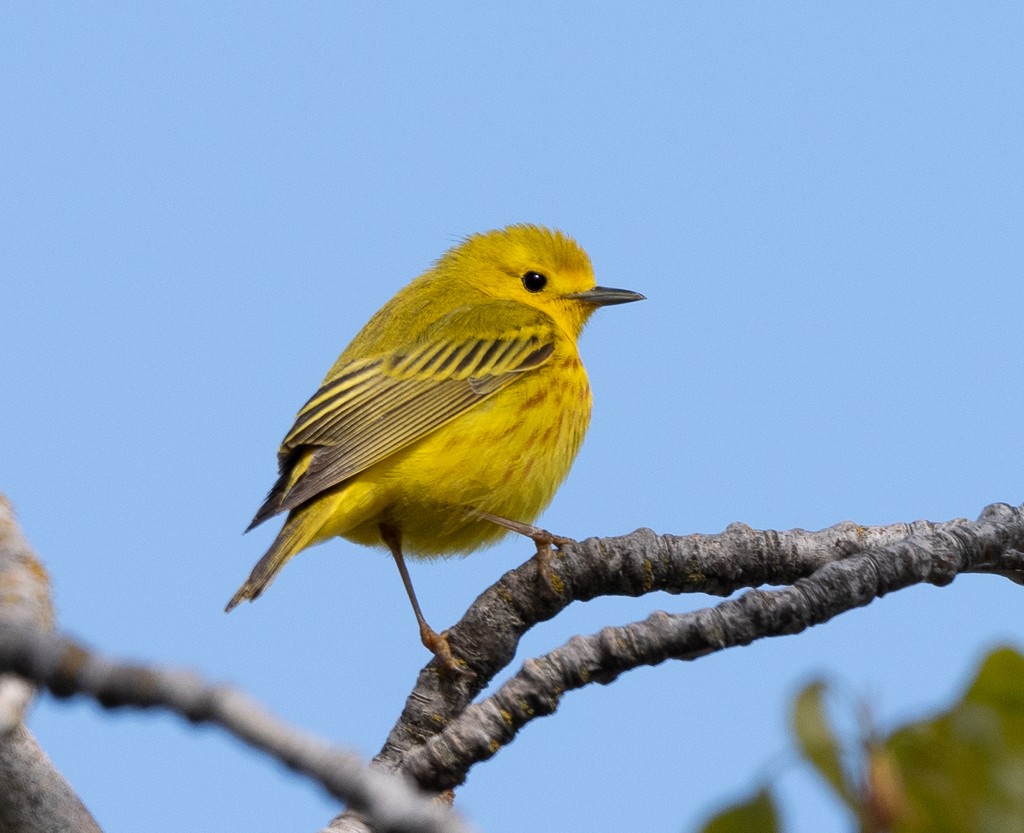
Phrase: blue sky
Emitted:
{"points": [[202, 203]]}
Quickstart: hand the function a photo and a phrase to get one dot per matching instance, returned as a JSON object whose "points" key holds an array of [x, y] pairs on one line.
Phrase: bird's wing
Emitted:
{"points": [[370, 408]]}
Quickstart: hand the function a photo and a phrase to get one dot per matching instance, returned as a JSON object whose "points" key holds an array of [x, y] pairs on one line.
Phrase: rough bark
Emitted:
{"points": [[442, 732]]}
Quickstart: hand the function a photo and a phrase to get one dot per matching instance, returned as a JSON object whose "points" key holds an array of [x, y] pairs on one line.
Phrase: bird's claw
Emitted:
{"points": [[546, 542], [437, 644]]}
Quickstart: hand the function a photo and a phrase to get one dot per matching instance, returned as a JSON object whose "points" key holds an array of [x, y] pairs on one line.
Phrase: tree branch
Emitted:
{"points": [[67, 667], [935, 557], [439, 735], [632, 565], [34, 796]]}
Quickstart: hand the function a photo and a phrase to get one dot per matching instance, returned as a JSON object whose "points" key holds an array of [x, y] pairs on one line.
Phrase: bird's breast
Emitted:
{"points": [[506, 456]]}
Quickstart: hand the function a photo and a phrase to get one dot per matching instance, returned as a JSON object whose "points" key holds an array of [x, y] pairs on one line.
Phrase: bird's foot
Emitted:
{"points": [[546, 543], [437, 644]]}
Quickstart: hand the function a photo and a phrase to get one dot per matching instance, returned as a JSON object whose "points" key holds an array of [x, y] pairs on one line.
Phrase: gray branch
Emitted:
{"points": [[34, 796], [831, 571], [935, 557], [441, 732], [67, 667]]}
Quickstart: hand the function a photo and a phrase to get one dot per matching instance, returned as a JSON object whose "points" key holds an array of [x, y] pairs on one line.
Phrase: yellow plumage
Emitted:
{"points": [[463, 395]]}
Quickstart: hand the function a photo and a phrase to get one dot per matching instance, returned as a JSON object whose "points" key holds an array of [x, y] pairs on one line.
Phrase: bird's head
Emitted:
{"points": [[535, 266]]}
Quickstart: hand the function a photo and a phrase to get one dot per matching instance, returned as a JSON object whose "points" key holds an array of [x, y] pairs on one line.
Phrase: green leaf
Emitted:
{"points": [[1000, 682], [756, 815], [817, 741], [963, 772]]}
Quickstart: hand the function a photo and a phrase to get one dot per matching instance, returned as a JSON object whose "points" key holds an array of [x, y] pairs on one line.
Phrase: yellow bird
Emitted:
{"points": [[451, 418]]}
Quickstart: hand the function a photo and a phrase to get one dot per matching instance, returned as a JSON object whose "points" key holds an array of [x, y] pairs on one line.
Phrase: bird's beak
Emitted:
{"points": [[604, 296]]}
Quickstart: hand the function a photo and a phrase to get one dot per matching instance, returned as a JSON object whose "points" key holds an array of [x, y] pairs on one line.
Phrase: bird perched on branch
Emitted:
{"points": [[451, 418]]}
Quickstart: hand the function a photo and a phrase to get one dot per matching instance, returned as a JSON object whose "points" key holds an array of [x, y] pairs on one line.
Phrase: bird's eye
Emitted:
{"points": [[534, 281]]}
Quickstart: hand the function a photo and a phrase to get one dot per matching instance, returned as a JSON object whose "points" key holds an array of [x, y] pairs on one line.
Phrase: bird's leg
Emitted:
{"points": [[544, 541], [436, 643]]}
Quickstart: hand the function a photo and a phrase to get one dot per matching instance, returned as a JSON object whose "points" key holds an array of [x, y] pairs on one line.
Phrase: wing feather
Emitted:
{"points": [[371, 408]]}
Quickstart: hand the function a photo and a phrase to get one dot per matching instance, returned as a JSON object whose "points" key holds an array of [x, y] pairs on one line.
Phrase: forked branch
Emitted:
{"points": [[441, 732]]}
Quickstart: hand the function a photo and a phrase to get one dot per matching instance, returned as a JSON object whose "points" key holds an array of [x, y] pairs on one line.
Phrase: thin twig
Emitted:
{"points": [[67, 667]]}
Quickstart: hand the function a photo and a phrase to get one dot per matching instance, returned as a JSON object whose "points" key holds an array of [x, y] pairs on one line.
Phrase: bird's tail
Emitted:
{"points": [[297, 534]]}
